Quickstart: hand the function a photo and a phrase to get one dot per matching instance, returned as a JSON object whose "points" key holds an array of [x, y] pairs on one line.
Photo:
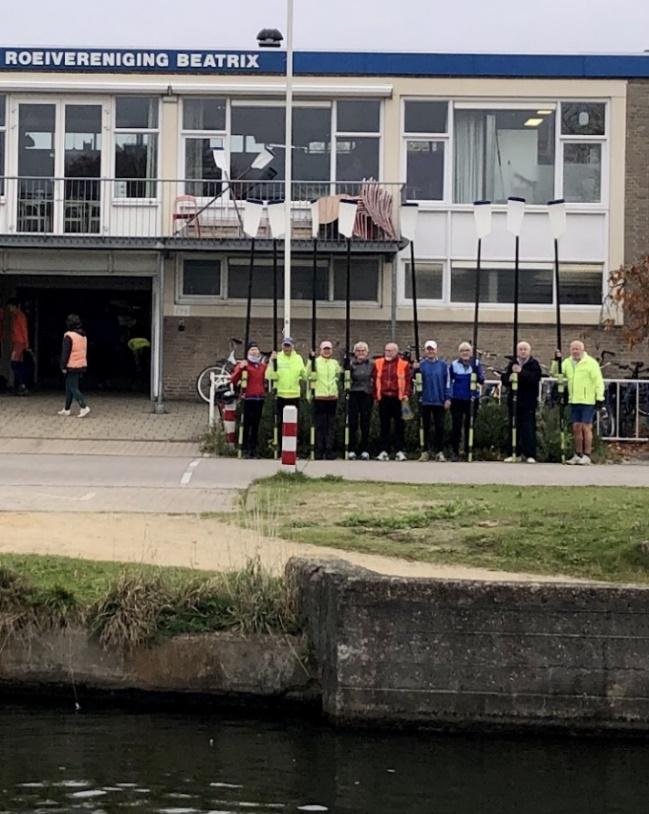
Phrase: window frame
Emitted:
{"points": [[187, 133], [603, 140], [198, 299], [428, 136], [337, 134], [3, 151], [155, 181]]}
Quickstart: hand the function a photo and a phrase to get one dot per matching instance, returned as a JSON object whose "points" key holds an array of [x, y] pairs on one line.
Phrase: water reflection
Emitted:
{"points": [[55, 761]]}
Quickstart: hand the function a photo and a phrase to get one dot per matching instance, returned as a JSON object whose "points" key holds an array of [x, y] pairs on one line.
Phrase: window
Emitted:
{"points": [[363, 279], [201, 278], [253, 128], [425, 128], [203, 131], [583, 131], [358, 130], [3, 125], [580, 284], [312, 148], [430, 278], [136, 146], [497, 285], [499, 153]]}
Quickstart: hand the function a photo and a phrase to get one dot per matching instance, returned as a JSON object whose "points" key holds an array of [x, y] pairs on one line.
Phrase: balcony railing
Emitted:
{"points": [[188, 209]]}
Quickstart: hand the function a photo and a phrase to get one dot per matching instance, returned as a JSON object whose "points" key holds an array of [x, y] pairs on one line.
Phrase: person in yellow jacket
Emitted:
{"points": [[324, 381], [286, 371], [585, 394]]}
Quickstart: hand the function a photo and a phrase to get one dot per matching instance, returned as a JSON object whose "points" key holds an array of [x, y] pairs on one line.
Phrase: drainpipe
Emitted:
{"points": [[158, 404]]}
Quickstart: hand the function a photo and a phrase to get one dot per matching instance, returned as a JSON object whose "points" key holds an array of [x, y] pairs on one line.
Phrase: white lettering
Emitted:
{"points": [[148, 60], [95, 59], [24, 58], [195, 61], [182, 60], [220, 60], [83, 58], [108, 60], [253, 61], [233, 61], [70, 58], [209, 61], [56, 58], [38, 58], [162, 60], [128, 60], [11, 58]]}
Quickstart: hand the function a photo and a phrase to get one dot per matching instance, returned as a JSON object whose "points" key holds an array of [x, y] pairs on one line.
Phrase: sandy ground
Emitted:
{"points": [[193, 542]]}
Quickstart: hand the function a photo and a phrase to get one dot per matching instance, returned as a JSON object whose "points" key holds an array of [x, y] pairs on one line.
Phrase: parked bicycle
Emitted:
{"points": [[222, 370], [634, 399]]}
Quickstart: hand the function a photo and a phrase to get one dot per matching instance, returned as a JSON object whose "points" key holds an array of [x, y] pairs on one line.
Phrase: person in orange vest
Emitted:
{"points": [[392, 380], [74, 363], [19, 344]]}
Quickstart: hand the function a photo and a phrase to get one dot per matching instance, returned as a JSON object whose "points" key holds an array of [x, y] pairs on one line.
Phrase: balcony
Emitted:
{"points": [[189, 214]]}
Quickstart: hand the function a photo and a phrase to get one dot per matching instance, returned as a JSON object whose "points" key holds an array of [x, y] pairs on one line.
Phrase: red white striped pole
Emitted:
{"points": [[230, 422], [289, 439]]}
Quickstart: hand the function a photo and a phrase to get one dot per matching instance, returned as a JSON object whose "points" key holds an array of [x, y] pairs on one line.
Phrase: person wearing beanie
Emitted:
{"points": [[74, 363], [253, 396]]}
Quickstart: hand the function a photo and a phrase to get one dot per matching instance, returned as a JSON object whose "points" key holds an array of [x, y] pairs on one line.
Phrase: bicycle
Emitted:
{"points": [[634, 400], [222, 370]]}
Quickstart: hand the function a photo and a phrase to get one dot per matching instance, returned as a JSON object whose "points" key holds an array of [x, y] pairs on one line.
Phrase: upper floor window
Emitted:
{"points": [[358, 131], [3, 124], [583, 131], [136, 146], [204, 126], [425, 134], [504, 152]]}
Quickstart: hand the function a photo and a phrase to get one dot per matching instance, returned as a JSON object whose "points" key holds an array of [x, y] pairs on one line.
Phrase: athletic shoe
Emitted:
{"points": [[400, 456], [351, 456], [440, 457], [531, 460], [63, 412], [383, 456], [576, 459], [83, 412], [365, 456], [424, 457], [511, 460], [584, 460]]}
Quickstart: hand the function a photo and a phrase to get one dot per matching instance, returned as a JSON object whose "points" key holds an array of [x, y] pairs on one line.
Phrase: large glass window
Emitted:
{"points": [[36, 126], [583, 131], [497, 285], [500, 153], [422, 116], [583, 119], [363, 279], [358, 125], [82, 166], [201, 278], [425, 124], [430, 280], [204, 114], [580, 284], [136, 146], [203, 131], [301, 280], [255, 127], [312, 148]]}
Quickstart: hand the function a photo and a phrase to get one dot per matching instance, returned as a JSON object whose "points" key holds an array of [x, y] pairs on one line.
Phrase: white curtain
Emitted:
{"points": [[476, 155]]}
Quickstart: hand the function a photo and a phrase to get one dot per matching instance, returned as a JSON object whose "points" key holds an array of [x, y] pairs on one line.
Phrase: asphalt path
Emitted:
{"points": [[186, 484]]}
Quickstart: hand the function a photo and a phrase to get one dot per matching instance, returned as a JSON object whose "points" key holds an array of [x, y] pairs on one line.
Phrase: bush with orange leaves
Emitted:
{"points": [[629, 292]]}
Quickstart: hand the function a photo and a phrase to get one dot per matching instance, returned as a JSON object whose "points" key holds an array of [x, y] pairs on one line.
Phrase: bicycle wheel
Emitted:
{"points": [[222, 370], [606, 423]]}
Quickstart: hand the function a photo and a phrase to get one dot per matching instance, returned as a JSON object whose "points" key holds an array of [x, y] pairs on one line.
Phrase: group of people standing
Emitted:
{"points": [[389, 381]]}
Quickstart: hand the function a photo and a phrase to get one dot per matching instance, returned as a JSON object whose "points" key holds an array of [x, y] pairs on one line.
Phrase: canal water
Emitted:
{"points": [[110, 761]]}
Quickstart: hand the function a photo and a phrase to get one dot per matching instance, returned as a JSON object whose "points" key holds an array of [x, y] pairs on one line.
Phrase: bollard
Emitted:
{"points": [[289, 439], [230, 421]]}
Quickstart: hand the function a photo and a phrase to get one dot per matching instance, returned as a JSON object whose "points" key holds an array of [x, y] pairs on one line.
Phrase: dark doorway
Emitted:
{"points": [[112, 317]]}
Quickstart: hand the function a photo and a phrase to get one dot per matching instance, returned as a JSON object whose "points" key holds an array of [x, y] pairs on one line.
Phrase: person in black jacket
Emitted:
{"points": [[529, 378]]}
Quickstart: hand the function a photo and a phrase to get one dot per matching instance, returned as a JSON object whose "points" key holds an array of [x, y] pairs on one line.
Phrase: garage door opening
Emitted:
{"points": [[116, 315]]}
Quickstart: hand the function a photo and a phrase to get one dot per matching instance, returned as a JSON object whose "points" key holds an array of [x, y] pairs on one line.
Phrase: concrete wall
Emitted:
{"points": [[476, 654], [204, 339], [221, 664]]}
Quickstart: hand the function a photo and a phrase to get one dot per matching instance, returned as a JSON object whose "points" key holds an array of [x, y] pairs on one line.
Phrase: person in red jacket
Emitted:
{"points": [[392, 379], [19, 344], [253, 396]]}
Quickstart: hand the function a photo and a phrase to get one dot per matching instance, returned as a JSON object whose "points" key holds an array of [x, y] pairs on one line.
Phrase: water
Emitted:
{"points": [[59, 761]]}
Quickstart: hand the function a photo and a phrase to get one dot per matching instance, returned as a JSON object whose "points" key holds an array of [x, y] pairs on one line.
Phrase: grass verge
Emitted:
{"points": [[590, 532], [131, 606]]}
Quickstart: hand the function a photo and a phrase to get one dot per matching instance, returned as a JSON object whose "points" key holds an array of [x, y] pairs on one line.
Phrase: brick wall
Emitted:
{"points": [[205, 339], [636, 236]]}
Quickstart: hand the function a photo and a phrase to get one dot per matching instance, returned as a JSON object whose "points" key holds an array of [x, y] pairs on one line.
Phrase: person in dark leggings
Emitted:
{"points": [[74, 363], [361, 401], [462, 399], [252, 395]]}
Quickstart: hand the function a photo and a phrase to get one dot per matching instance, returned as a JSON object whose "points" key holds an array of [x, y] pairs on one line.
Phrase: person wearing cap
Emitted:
{"points": [[361, 402], [288, 377], [435, 401], [463, 399], [392, 382], [529, 378], [74, 363], [253, 396], [325, 382]]}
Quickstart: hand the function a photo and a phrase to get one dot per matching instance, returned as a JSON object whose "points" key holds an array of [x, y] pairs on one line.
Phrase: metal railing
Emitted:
{"points": [[626, 406], [193, 209]]}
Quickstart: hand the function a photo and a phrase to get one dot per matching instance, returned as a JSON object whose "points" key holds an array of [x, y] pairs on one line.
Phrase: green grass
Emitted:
{"points": [[124, 606], [590, 532]]}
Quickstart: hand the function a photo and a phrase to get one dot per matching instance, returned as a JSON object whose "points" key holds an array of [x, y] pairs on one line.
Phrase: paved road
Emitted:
{"points": [[49, 482]]}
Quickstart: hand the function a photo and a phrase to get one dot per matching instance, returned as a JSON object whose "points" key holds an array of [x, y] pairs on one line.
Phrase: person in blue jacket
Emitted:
{"points": [[435, 401], [461, 396]]}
